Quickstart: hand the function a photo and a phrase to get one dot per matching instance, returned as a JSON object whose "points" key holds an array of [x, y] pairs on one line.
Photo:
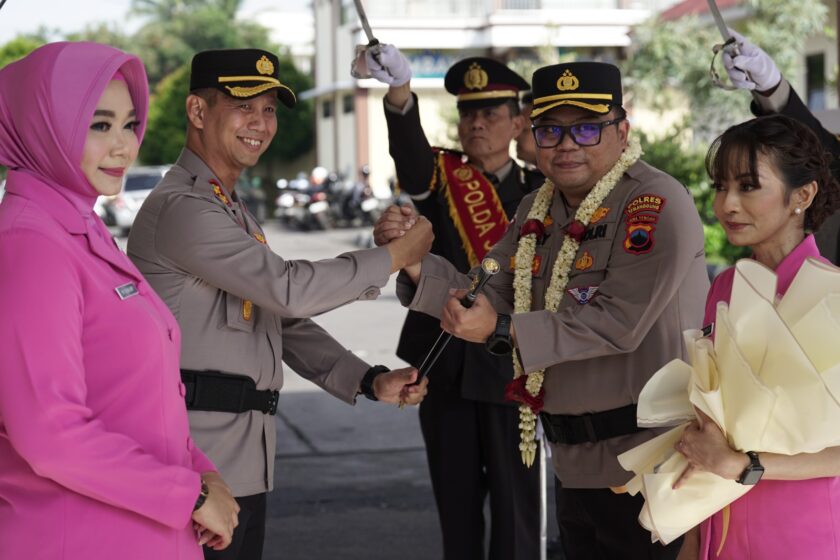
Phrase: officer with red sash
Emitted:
{"points": [[471, 432]]}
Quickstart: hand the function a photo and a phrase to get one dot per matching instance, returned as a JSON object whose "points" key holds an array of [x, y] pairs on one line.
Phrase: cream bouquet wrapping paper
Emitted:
{"points": [[770, 379]]}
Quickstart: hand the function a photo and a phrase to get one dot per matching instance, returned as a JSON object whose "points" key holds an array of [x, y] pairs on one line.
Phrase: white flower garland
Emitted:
{"points": [[522, 299]]}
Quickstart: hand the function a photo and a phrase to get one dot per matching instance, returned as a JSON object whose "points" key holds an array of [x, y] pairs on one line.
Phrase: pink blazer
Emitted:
{"points": [[778, 519], [96, 461]]}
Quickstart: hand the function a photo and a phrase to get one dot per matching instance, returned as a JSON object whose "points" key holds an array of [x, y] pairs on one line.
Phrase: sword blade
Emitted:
{"points": [[360, 10], [721, 25]]}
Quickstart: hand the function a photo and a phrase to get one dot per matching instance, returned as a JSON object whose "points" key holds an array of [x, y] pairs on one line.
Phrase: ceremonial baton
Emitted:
{"points": [[488, 268], [373, 42], [729, 45]]}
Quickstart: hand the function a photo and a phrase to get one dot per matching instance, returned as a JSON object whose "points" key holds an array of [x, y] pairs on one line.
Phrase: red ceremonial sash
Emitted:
{"points": [[474, 206]]}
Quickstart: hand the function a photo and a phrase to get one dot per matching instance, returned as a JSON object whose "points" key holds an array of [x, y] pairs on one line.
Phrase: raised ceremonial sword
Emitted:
{"points": [[489, 267], [373, 42], [730, 45]]}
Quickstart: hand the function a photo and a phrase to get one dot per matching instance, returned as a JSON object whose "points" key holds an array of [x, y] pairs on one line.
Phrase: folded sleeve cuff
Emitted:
{"points": [[775, 102]]}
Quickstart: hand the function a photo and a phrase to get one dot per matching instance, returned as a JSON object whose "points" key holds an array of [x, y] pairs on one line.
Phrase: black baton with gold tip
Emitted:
{"points": [[488, 268]]}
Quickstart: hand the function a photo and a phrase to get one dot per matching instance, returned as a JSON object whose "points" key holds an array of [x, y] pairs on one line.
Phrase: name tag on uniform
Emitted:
{"points": [[127, 290]]}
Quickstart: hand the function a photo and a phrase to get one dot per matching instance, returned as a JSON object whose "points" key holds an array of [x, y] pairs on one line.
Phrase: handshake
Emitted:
{"points": [[407, 236]]}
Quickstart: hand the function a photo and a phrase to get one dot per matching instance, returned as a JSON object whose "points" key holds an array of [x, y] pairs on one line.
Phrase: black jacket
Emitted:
{"points": [[464, 367]]}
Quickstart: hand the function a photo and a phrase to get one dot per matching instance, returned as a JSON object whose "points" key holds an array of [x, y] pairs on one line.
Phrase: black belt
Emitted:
{"points": [[226, 392], [588, 428]]}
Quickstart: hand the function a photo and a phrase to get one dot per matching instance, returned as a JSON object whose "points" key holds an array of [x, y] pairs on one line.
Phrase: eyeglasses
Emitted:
{"points": [[583, 134]]}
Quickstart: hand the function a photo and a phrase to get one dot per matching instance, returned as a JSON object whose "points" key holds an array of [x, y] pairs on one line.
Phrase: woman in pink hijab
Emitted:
{"points": [[96, 461]]}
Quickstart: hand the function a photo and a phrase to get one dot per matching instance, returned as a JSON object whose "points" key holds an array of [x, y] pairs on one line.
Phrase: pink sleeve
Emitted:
{"points": [[721, 290], [43, 392], [201, 463]]}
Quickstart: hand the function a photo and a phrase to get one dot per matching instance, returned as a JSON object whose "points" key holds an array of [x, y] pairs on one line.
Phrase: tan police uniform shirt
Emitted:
{"points": [[639, 279], [201, 251]]}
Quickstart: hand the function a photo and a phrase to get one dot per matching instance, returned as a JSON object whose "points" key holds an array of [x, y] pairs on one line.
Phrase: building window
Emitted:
{"points": [[815, 81], [348, 102], [326, 108]]}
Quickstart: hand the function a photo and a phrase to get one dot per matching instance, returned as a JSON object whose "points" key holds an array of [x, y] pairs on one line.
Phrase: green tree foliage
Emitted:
{"points": [[669, 65], [17, 48], [669, 68], [671, 153], [167, 119]]}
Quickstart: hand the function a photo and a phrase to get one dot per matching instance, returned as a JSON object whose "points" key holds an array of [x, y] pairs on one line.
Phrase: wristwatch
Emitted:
{"points": [[500, 342], [754, 471], [205, 491], [366, 386]]}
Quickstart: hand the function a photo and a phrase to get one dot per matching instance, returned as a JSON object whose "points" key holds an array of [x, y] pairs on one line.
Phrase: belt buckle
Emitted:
{"points": [[272, 402]]}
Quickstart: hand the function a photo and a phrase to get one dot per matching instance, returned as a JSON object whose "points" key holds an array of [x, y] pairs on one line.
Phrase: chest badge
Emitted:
{"points": [[599, 215], [585, 261], [584, 294], [127, 290]]}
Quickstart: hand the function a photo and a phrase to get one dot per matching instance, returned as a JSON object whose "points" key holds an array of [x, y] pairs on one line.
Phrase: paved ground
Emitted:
{"points": [[350, 481]]}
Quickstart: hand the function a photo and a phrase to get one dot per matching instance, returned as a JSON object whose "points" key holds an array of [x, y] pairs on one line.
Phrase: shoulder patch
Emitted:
{"points": [[639, 238], [645, 203]]}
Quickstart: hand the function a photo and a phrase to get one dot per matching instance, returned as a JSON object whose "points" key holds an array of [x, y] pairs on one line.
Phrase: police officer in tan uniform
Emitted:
{"points": [[243, 310], [632, 277], [470, 431]]}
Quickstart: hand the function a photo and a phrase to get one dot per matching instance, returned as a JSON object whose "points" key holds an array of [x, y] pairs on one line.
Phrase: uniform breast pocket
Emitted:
{"points": [[241, 313]]}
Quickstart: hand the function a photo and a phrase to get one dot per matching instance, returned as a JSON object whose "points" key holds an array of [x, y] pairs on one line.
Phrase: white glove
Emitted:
{"points": [[763, 73], [387, 64]]}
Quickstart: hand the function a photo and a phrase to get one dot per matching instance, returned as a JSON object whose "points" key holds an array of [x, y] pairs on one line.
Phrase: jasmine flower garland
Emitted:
{"points": [[525, 252]]}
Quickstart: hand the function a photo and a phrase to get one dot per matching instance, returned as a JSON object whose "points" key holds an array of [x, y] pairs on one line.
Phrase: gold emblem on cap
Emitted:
{"points": [[475, 77], [265, 66], [568, 81]]}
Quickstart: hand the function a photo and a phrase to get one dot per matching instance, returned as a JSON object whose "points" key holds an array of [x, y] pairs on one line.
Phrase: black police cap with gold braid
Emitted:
{"points": [[594, 86], [240, 73], [482, 82]]}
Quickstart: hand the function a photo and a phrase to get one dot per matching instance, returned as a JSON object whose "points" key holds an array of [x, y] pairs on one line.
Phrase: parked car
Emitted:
{"points": [[121, 209]]}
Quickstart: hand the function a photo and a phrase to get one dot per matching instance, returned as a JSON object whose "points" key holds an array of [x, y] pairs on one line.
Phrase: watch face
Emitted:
{"points": [[751, 475], [499, 346]]}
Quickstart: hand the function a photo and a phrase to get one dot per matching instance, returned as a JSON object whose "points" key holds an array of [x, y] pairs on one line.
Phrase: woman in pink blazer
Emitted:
{"points": [[96, 461], [773, 186]]}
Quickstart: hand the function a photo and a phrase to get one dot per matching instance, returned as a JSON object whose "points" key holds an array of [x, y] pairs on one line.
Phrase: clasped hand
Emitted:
{"points": [[216, 519], [706, 448]]}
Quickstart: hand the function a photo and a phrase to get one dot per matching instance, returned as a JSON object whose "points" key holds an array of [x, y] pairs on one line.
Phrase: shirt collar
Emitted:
{"points": [[790, 265]]}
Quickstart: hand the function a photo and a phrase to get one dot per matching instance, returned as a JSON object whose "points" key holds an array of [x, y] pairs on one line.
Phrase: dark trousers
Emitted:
{"points": [[473, 450], [249, 535], [597, 524]]}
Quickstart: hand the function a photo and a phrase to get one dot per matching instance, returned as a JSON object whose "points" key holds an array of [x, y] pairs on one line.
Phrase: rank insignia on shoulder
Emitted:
{"points": [[127, 290], [260, 237], [247, 309], [708, 329], [220, 194], [583, 294]]}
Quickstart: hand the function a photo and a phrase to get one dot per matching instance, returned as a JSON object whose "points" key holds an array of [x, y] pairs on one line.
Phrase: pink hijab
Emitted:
{"points": [[47, 100]]}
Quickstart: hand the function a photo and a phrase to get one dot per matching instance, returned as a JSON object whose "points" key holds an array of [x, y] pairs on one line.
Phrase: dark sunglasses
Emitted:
{"points": [[583, 134]]}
